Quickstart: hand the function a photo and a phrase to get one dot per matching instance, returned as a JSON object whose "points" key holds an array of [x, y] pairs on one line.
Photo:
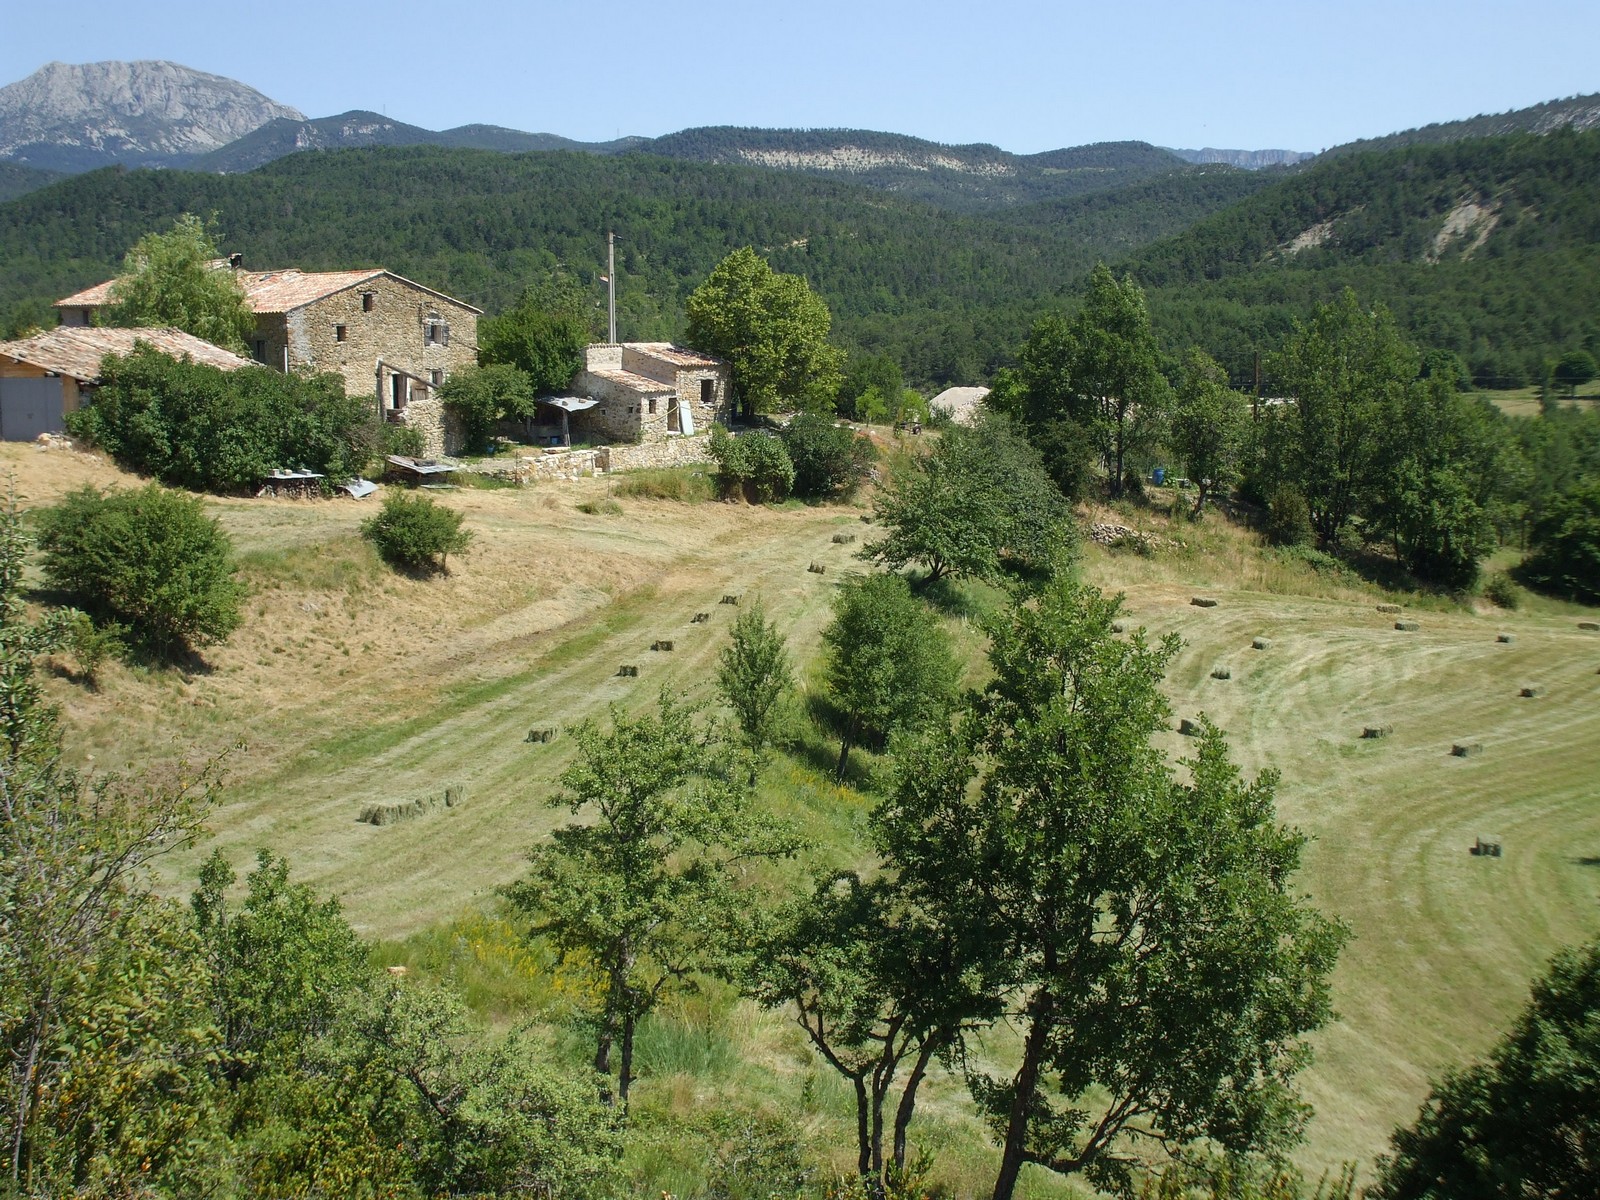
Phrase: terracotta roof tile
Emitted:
{"points": [[77, 350], [676, 355], [271, 291], [632, 380]]}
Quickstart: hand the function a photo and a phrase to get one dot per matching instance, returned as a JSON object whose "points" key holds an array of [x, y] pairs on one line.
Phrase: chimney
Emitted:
{"points": [[236, 261]]}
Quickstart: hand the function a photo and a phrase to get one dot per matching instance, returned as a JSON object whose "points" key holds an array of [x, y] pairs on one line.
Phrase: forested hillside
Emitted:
{"points": [[1489, 248], [947, 294]]}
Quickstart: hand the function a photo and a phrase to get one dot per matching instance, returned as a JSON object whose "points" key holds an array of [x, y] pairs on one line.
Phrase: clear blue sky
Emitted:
{"points": [[1026, 75]]}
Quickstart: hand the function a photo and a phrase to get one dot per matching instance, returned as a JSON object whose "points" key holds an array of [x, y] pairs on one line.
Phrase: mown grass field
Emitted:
{"points": [[349, 685]]}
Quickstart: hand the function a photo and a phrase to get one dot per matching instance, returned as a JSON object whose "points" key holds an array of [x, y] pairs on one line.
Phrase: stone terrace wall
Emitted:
{"points": [[676, 452]]}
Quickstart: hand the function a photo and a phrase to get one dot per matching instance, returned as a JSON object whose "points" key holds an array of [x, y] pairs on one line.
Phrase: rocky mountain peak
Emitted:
{"points": [[73, 116]]}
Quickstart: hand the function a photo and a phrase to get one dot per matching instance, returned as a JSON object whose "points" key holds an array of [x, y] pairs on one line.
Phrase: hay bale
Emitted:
{"points": [[1407, 626], [540, 736], [1189, 728], [1591, 626], [1203, 601], [1486, 847], [1221, 672], [397, 972], [844, 539], [1530, 691], [699, 618], [1261, 644], [627, 671], [817, 568], [1119, 627], [729, 600], [1466, 749], [664, 644], [455, 796], [1505, 639], [1390, 609], [1376, 731]]}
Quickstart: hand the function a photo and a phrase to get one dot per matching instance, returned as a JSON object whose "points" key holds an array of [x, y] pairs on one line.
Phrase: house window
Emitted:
{"points": [[652, 406], [435, 332], [435, 377], [261, 350], [338, 333], [705, 391], [368, 301]]}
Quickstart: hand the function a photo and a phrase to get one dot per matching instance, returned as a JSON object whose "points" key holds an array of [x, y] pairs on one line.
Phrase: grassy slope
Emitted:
{"points": [[349, 685]]}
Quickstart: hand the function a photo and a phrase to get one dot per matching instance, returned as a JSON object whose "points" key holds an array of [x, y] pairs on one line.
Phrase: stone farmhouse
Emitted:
{"points": [[391, 339], [48, 375], [650, 392]]}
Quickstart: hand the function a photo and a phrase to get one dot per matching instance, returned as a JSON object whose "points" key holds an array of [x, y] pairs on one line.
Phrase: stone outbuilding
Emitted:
{"points": [[391, 339], [48, 375], [650, 392]]}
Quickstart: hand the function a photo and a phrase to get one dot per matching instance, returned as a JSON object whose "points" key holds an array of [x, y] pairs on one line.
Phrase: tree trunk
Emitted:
{"points": [[863, 1133], [908, 1104], [844, 747], [625, 1077], [1041, 1009]]}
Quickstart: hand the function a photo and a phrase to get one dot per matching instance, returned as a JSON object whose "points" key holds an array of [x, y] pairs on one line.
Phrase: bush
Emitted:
{"points": [[481, 397], [1499, 589], [755, 466], [195, 426], [150, 560], [829, 460], [400, 439], [415, 533], [1288, 518], [687, 485]]}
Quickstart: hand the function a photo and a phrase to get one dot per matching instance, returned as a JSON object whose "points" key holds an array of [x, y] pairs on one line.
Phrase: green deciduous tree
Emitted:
{"points": [[876, 373], [174, 278], [1525, 1121], [147, 558], [978, 499], [644, 888], [1566, 546], [543, 335], [416, 532], [194, 426], [772, 329], [1574, 369], [753, 673], [1208, 425], [481, 397], [1159, 967], [889, 663], [1346, 371]]}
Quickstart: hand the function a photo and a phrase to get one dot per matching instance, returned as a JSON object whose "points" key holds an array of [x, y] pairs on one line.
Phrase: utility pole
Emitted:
{"points": [[611, 281]]}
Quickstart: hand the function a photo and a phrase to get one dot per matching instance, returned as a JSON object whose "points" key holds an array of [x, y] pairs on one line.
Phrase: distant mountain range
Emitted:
{"points": [[157, 114]]}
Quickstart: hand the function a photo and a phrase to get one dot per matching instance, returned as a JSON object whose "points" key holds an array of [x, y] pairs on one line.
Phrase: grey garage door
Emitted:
{"points": [[29, 407]]}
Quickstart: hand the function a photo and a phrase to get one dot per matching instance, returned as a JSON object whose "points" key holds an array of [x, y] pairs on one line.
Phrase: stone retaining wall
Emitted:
{"points": [[675, 452]]}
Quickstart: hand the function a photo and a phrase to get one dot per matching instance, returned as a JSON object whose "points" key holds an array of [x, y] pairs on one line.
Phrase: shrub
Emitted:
{"points": [[416, 533], [1288, 518], [829, 460], [148, 559], [687, 485], [401, 439], [480, 397], [1501, 590], [195, 426], [755, 466]]}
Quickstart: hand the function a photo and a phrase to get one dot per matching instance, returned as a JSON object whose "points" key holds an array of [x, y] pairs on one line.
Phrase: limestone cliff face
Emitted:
{"points": [[76, 117]]}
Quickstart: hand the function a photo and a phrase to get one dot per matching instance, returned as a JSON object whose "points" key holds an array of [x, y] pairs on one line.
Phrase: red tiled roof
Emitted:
{"points": [[632, 380], [676, 355], [77, 350], [272, 291]]}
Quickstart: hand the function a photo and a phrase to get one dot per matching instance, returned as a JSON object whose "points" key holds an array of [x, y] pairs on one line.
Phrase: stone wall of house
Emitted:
{"points": [[619, 416], [388, 334]]}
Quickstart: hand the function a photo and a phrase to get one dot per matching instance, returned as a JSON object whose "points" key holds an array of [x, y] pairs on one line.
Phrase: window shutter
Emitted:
{"points": [[445, 330]]}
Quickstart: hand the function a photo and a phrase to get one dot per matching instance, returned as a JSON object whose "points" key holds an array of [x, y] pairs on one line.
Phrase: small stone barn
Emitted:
{"points": [[48, 375], [650, 392], [391, 339]]}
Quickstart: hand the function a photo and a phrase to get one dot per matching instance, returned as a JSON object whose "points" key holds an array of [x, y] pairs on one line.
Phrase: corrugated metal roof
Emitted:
{"points": [[633, 381], [676, 355], [275, 291], [570, 403], [77, 350]]}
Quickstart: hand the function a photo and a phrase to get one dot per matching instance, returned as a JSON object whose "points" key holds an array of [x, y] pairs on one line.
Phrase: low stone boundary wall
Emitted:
{"points": [[674, 452]]}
